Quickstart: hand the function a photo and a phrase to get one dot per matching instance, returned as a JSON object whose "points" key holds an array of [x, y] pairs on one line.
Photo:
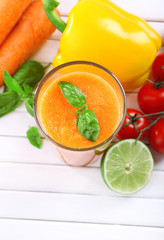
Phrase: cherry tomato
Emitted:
{"points": [[151, 99], [130, 131], [157, 67], [156, 136]]}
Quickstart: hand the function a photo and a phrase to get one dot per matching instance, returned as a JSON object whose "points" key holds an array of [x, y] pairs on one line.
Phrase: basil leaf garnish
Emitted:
{"points": [[86, 122], [82, 109], [34, 137], [29, 106], [88, 125], [72, 93]]}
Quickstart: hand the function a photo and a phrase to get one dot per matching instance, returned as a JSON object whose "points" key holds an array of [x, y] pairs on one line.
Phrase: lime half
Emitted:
{"points": [[127, 165]]}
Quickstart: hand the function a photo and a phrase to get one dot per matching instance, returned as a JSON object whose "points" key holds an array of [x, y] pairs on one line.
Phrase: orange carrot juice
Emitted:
{"points": [[57, 117]]}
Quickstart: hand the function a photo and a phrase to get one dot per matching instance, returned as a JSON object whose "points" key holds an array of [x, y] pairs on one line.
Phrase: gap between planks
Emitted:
{"points": [[81, 194], [85, 223]]}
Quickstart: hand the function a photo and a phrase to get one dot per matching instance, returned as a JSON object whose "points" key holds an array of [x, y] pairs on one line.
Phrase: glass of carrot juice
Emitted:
{"points": [[56, 118]]}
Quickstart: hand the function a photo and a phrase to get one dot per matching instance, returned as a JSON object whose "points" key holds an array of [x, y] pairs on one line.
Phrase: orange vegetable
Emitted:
{"points": [[10, 12], [32, 30]]}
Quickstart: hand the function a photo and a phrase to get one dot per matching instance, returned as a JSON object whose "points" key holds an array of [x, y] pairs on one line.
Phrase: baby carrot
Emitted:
{"points": [[32, 30], [10, 12]]}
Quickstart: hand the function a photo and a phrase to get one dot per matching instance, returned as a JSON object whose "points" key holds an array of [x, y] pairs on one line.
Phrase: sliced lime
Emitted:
{"points": [[101, 149], [127, 165]]}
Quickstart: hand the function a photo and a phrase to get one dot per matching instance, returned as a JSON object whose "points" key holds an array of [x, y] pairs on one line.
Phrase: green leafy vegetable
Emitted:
{"points": [[86, 122], [30, 73], [13, 85], [72, 93], [88, 125], [29, 106], [82, 109], [34, 137], [9, 101], [28, 89], [20, 87]]}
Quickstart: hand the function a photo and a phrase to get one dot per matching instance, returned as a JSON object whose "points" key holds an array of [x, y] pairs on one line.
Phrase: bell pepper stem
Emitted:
{"points": [[49, 6]]}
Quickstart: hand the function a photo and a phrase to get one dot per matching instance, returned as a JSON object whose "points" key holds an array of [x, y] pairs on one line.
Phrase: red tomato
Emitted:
{"points": [[157, 67], [156, 136], [151, 99], [130, 131]]}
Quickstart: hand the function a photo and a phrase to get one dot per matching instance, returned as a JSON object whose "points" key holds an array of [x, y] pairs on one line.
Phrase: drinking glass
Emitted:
{"points": [[80, 156]]}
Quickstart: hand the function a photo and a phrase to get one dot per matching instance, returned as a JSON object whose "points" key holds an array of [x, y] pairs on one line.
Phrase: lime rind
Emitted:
{"points": [[127, 165]]}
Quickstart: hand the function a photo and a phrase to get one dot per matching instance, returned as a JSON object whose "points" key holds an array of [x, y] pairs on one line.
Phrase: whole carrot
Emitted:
{"points": [[32, 30], [10, 12]]}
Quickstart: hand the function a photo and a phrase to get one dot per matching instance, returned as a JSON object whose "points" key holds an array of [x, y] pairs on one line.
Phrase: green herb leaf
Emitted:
{"points": [[72, 93], [9, 101], [28, 89], [82, 109], [34, 137], [30, 73], [29, 106], [88, 125], [13, 85]]}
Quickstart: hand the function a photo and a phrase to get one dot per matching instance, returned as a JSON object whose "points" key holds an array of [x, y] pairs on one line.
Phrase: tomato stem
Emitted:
{"points": [[143, 130], [133, 120], [158, 83], [151, 114]]}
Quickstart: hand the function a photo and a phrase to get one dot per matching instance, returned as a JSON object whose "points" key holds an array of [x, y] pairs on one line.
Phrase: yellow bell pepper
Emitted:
{"points": [[101, 32]]}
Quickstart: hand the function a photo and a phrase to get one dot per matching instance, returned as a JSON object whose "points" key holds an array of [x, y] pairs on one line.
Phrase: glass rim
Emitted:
{"points": [[51, 72]]}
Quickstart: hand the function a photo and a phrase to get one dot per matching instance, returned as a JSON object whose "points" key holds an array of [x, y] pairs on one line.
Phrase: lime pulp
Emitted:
{"points": [[127, 165]]}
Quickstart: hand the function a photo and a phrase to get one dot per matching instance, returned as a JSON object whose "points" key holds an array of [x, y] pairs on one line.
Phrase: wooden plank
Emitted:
{"points": [[16, 124], [64, 179], [147, 9], [82, 208], [47, 52], [41, 230], [21, 151]]}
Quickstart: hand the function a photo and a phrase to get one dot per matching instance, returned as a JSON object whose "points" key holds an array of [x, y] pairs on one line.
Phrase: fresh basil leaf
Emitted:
{"points": [[72, 93], [28, 89], [34, 137], [29, 106], [88, 125], [30, 73], [13, 85], [7, 97], [82, 109], [9, 101]]}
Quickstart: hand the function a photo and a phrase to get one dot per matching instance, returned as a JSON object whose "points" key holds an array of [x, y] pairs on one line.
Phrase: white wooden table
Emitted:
{"points": [[43, 199]]}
